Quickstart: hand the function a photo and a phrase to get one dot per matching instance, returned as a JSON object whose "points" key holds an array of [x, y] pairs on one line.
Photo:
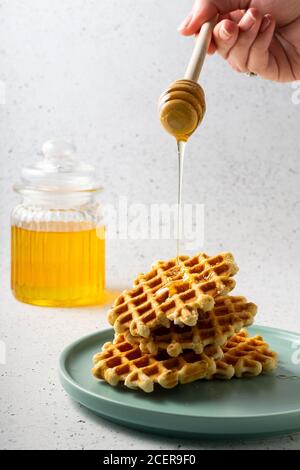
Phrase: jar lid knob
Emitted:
{"points": [[54, 149]]}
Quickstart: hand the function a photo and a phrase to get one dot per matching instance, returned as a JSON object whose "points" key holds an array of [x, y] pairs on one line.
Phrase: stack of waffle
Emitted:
{"points": [[179, 324]]}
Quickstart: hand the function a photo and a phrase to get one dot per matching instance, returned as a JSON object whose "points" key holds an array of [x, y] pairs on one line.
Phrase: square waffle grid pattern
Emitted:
{"points": [[124, 362], [229, 315], [240, 357], [245, 357], [173, 292]]}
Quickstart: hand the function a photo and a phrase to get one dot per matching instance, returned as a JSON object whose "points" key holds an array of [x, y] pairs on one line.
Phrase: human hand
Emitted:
{"points": [[259, 36]]}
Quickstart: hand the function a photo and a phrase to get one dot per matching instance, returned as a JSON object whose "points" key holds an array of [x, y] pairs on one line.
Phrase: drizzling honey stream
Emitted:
{"points": [[182, 108]]}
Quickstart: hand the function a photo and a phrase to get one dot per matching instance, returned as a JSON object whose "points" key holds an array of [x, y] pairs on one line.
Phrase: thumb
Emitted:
{"points": [[205, 10]]}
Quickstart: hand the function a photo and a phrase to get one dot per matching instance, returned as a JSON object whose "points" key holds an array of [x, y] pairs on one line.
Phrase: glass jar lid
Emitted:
{"points": [[58, 171]]}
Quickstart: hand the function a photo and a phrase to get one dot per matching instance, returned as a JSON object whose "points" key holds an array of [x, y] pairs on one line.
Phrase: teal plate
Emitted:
{"points": [[252, 407]]}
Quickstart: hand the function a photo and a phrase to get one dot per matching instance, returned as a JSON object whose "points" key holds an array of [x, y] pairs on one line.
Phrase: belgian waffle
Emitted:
{"points": [[240, 357], [173, 291], [123, 362], [229, 315], [244, 357]]}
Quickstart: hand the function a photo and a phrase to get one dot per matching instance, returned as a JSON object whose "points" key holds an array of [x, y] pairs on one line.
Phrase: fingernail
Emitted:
{"points": [[247, 21], [265, 23], [225, 34], [185, 22]]}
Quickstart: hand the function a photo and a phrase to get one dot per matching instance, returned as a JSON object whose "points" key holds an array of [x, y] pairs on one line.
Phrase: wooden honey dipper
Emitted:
{"points": [[182, 104]]}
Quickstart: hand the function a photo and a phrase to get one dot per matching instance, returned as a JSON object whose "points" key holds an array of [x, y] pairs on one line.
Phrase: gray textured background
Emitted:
{"points": [[92, 71]]}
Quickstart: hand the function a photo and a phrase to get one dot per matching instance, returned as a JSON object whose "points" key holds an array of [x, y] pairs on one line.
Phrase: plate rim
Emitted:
{"points": [[65, 376]]}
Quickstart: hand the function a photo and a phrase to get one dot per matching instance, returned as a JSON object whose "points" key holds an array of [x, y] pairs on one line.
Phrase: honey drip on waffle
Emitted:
{"points": [[174, 285]]}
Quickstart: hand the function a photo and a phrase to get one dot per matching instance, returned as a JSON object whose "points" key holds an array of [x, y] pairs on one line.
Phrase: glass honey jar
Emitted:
{"points": [[57, 238]]}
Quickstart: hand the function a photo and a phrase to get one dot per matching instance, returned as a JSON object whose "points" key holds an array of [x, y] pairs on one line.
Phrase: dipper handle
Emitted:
{"points": [[202, 42]]}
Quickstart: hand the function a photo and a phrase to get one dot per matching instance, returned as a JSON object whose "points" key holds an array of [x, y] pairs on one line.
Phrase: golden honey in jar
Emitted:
{"points": [[57, 239]]}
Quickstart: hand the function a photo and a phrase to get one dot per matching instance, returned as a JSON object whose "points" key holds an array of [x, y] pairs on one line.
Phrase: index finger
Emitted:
{"points": [[205, 10]]}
